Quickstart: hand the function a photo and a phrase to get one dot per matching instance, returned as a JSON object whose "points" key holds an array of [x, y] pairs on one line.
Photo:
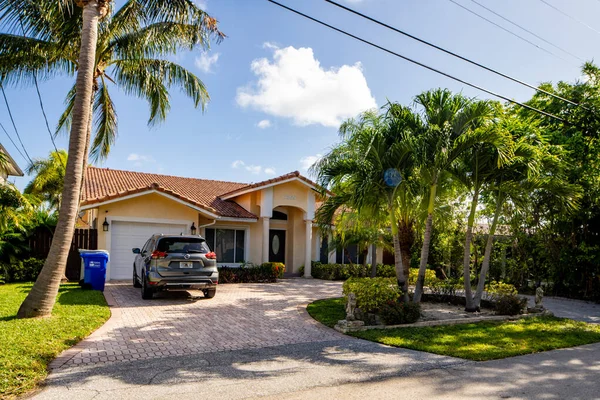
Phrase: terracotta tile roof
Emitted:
{"points": [[102, 184], [281, 178]]}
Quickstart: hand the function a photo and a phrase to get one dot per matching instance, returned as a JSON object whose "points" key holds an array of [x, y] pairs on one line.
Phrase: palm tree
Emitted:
{"points": [[141, 29], [451, 129], [534, 166], [370, 146], [49, 178], [130, 54]]}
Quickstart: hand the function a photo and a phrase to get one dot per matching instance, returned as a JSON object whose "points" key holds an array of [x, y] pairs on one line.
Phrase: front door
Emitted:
{"points": [[277, 246]]}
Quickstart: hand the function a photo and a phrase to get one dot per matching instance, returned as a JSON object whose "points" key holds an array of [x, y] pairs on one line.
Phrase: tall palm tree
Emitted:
{"points": [[141, 29], [371, 145], [131, 52], [451, 122], [49, 177], [534, 166]]}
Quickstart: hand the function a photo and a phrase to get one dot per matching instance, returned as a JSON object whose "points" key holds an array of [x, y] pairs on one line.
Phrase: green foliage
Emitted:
{"points": [[396, 313], [9, 197], [250, 273], [372, 293], [29, 345], [49, 174], [328, 311], [499, 289], [23, 271], [509, 304], [489, 340]]}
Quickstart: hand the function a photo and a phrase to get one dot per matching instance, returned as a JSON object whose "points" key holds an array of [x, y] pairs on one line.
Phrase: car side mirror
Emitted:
{"points": [[136, 251]]}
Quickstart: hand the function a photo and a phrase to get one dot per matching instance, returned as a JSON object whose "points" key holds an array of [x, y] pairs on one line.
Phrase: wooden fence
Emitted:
{"points": [[39, 244]]}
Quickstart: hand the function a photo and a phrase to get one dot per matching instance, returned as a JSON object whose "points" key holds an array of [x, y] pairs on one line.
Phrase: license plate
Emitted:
{"points": [[186, 264]]}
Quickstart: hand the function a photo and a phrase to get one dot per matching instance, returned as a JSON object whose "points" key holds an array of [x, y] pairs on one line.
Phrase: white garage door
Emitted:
{"points": [[128, 235]]}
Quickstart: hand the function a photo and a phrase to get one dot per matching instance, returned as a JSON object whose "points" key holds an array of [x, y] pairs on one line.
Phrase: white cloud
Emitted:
{"points": [[139, 159], [253, 169], [295, 85], [270, 46], [205, 62], [308, 161], [202, 4], [264, 124]]}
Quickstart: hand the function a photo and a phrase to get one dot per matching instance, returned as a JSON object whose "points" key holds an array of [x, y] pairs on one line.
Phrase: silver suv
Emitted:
{"points": [[171, 262]]}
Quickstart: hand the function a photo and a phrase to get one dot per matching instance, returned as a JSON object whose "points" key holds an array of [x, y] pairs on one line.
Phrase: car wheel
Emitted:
{"points": [[147, 293], [210, 293], [136, 282]]}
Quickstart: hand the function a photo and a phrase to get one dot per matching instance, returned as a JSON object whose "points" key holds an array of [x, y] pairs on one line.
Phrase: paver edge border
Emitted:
{"points": [[68, 354]]}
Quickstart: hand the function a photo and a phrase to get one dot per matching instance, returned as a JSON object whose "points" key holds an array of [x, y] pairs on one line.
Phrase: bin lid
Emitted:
{"points": [[84, 252]]}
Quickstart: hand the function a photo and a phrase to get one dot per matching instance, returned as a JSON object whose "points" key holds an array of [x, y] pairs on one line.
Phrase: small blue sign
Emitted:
{"points": [[392, 177]]}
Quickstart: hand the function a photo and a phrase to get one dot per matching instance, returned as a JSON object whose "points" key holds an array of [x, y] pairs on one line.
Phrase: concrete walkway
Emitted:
{"points": [[254, 341]]}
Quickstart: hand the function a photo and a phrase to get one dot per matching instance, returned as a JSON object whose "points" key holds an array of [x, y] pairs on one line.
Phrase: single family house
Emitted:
{"points": [[11, 169], [260, 222]]}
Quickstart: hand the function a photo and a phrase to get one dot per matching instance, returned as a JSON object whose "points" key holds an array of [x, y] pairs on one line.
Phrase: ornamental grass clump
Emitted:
{"points": [[372, 293]]}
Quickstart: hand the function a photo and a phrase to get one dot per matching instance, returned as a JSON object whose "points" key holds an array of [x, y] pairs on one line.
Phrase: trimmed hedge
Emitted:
{"points": [[21, 271], [339, 272], [250, 273], [395, 313], [372, 293]]}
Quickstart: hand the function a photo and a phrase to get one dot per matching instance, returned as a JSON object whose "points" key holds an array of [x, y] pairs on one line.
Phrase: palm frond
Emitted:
{"points": [[105, 122]]}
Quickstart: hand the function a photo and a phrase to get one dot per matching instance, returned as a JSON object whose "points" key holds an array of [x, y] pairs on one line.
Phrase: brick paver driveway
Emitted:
{"points": [[241, 316]]}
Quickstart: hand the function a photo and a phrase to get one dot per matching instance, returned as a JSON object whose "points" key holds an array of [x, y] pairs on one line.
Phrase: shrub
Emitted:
{"points": [[445, 288], [496, 290], [250, 273], [372, 293], [386, 271], [510, 304], [395, 313], [23, 271], [413, 274]]}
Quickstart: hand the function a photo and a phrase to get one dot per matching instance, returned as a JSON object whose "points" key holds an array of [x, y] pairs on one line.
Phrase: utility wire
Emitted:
{"points": [[13, 122], [570, 16], [526, 30], [418, 63], [37, 88], [506, 30], [451, 53], [13, 142]]}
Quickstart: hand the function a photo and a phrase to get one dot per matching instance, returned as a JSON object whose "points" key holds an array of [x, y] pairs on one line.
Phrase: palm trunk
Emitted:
{"points": [[398, 265], [470, 307], [425, 248], [41, 298], [485, 266], [407, 238]]}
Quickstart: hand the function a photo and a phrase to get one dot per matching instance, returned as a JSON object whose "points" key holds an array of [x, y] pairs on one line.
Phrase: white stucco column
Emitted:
{"points": [[265, 237], [266, 212], [308, 254]]}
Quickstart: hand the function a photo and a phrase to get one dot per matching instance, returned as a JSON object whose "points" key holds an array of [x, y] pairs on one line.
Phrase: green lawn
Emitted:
{"points": [[478, 341], [29, 345]]}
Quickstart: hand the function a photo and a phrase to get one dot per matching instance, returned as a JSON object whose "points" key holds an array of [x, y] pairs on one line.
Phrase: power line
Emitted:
{"points": [[451, 53], [13, 142], [417, 62], [506, 30], [570, 16], [37, 88], [526, 30], [13, 122]]}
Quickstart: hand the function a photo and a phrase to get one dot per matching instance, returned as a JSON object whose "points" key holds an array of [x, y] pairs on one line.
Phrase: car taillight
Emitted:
{"points": [[158, 254], [211, 256]]}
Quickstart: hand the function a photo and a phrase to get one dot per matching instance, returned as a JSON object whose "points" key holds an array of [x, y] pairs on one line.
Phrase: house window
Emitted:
{"points": [[349, 255], [229, 244]]}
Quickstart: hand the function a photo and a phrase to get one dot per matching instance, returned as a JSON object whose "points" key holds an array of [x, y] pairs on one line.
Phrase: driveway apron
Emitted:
{"points": [[241, 316]]}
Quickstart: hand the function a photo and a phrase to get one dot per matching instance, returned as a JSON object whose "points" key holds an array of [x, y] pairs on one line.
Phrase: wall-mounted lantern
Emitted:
{"points": [[105, 225], [193, 229]]}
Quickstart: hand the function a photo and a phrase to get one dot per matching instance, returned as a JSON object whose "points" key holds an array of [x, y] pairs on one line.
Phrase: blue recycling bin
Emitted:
{"points": [[94, 268]]}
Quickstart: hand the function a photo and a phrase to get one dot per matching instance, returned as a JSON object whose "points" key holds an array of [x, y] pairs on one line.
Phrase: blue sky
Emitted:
{"points": [[280, 84]]}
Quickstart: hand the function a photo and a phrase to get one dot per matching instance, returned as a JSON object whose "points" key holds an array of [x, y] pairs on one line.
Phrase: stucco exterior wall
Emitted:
{"points": [[149, 206], [292, 194]]}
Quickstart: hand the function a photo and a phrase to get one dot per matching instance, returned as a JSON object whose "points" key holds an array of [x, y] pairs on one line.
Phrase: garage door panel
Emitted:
{"points": [[128, 235]]}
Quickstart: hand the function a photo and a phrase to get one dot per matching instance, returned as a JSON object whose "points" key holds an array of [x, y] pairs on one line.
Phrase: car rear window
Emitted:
{"points": [[182, 245]]}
